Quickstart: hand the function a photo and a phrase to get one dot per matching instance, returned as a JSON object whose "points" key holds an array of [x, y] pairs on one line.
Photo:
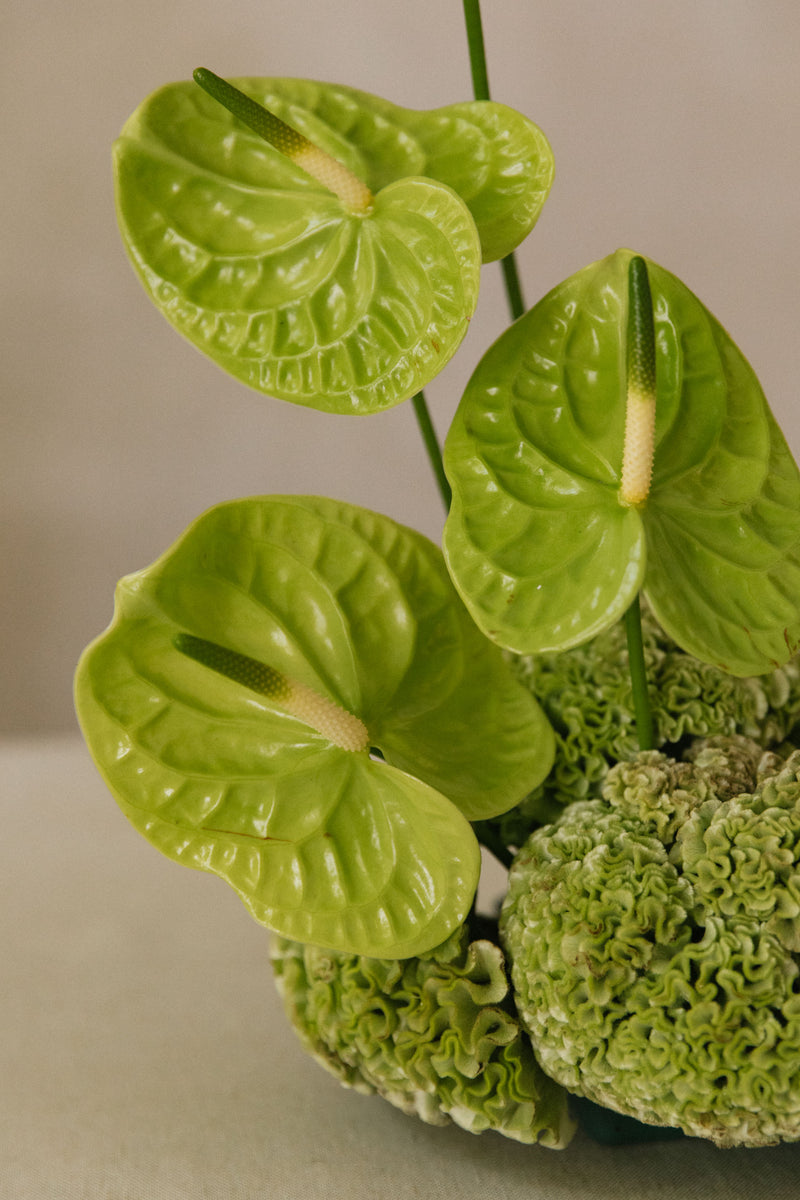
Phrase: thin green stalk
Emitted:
{"points": [[516, 302], [638, 673], [480, 90], [432, 447], [477, 52]]}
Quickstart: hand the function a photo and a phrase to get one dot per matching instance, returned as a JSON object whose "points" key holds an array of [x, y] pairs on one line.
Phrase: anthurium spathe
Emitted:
{"points": [[236, 703], [547, 540], [344, 298]]}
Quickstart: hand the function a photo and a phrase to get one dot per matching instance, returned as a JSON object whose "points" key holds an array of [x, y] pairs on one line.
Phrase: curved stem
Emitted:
{"points": [[432, 447], [638, 673]]}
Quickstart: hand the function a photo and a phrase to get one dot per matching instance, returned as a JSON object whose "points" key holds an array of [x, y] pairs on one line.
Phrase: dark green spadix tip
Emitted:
{"points": [[641, 341], [250, 673], [640, 410], [253, 115], [328, 171]]}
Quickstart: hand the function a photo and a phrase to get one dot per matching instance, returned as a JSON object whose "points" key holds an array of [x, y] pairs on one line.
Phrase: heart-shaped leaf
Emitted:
{"points": [[540, 541], [277, 280], [232, 703]]}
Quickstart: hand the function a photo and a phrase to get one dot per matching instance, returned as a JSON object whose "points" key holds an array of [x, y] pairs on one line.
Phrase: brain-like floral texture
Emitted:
{"points": [[655, 943], [435, 1035]]}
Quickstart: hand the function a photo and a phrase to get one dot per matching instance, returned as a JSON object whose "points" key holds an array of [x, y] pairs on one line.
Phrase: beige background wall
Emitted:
{"points": [[675, 130]]}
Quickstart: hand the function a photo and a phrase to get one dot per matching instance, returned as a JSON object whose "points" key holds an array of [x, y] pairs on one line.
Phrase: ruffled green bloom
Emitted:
{"points": [[434, 1035], [654, 937], [586, 693], [781, 722]]}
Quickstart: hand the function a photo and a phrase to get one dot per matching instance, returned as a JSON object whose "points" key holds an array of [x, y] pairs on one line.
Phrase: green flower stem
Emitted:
{"points": [[432, 447], [516, 301], [480, 87], [638, 673], [480, 90], [477, 52]]}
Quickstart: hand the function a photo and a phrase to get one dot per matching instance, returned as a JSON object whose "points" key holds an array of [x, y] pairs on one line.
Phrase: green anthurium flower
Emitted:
{"points": [[233, 704], [615, 438], [338, 266]]}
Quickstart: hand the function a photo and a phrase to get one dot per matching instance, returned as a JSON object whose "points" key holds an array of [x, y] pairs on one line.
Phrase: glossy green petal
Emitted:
{"points": [[723, 519], [539, 542], [267, 272], [195, 705], [498, 161], [321, 844], [293, 295], [457, 718]]}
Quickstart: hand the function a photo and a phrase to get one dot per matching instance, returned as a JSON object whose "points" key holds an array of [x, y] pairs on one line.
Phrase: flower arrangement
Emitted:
{"points": [[595, 681]]}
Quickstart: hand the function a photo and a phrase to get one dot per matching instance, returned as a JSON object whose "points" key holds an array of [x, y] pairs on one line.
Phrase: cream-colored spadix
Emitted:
{"points": [[640, 410]]}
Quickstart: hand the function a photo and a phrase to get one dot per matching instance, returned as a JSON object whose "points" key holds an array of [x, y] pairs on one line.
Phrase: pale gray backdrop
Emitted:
{"points": [[675, 130]]}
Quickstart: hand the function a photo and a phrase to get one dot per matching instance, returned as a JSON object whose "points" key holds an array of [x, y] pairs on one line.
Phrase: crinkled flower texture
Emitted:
{"points": [[655, 943], [434, 1035], [586, 693]]}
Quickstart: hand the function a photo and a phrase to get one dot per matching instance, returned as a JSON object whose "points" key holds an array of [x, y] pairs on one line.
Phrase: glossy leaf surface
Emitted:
{"points": [[323, 844], [268, 273], [538, 541]]}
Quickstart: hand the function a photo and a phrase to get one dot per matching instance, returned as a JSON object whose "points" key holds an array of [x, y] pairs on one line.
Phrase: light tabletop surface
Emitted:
{"points": [[145, 1054]]}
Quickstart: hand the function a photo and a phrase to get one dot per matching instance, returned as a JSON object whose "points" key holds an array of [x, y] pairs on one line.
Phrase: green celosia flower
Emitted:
{"points": [[655, 945], [586, 693], [782, 719], [434, 1035]]}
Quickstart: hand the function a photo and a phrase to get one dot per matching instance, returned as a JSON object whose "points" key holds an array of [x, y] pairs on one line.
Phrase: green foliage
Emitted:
{"points": [[295, 699], [541, 545], [653, 943], [214, 707], [436, 1035], [267, 271]]}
